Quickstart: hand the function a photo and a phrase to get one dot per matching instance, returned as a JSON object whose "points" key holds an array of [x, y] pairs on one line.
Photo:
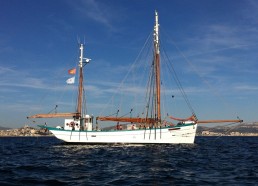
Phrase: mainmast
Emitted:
{"points": [[80, 86], [156, 60], [156, 121], [157, 64]]}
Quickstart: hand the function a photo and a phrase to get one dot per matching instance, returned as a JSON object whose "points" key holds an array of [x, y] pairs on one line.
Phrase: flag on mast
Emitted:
{"points": [[72, 71], [70, 80]]}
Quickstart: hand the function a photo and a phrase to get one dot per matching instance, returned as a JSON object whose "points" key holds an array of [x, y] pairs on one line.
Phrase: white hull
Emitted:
{"points": [[169, 135]]}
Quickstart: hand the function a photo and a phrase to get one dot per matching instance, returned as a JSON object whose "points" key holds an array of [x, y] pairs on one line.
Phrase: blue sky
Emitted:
{"points": [[216, 53]]}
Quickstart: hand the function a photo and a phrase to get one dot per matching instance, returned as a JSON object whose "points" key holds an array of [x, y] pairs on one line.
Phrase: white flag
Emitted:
{"points": [[70, 80]]}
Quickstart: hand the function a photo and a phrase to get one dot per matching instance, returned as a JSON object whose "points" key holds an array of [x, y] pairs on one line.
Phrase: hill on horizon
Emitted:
{"points": [[242, 128], [4, 128]]}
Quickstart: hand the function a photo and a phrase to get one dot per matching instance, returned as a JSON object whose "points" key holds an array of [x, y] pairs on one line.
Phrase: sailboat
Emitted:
{"points": [[148, 129]]}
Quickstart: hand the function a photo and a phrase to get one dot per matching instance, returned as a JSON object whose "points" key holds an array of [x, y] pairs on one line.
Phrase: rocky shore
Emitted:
{"points": [[24, 131]]}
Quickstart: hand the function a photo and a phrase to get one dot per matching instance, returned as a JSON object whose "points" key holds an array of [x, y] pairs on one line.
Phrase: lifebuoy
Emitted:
{"points": [[72, 124]]}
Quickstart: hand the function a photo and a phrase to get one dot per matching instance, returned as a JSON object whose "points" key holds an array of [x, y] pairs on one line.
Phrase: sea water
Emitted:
{"points": [[48, 161]]}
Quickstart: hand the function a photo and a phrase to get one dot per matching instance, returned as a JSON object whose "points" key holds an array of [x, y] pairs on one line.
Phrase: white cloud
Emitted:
{"points": [[5, 70], [94, 10], [246, 87]]}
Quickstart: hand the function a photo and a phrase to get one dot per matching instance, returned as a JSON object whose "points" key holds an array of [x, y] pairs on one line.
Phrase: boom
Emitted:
{"points": [[55, 115], [219, 121]]}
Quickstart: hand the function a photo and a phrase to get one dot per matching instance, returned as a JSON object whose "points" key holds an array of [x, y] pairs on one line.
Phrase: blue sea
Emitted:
{"points": [[48, 161]]}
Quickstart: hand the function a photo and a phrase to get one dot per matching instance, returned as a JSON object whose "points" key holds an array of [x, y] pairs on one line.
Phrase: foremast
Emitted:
{"points": [[79, 110], [80, 86]]}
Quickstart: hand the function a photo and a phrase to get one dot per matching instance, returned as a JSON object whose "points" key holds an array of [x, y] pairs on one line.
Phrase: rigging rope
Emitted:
{"points": [[214, 91], [126, 113], [228, 129], [53, 109], [121, 85], [179, 84]]}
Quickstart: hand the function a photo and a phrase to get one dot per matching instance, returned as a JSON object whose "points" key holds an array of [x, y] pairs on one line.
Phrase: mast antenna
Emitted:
{"points": [[156, 32]]}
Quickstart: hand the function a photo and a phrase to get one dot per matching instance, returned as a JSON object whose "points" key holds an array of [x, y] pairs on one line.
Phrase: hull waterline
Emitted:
{"points": [[167, 135]]}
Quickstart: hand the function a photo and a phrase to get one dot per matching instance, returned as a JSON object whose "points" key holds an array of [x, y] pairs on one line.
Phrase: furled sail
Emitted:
{"points": [[191, 118], [127, 119], [55, 115]]}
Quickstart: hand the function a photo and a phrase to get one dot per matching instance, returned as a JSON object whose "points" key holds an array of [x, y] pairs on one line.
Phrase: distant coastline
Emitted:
{"points": [[244, 129], [24, 131], [229, 134]]}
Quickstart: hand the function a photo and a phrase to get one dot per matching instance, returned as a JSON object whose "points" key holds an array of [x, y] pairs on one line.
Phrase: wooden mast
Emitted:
{"points": [[157, 65], [157, 119], [80, 86], [156, 56], [78, 113]]}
